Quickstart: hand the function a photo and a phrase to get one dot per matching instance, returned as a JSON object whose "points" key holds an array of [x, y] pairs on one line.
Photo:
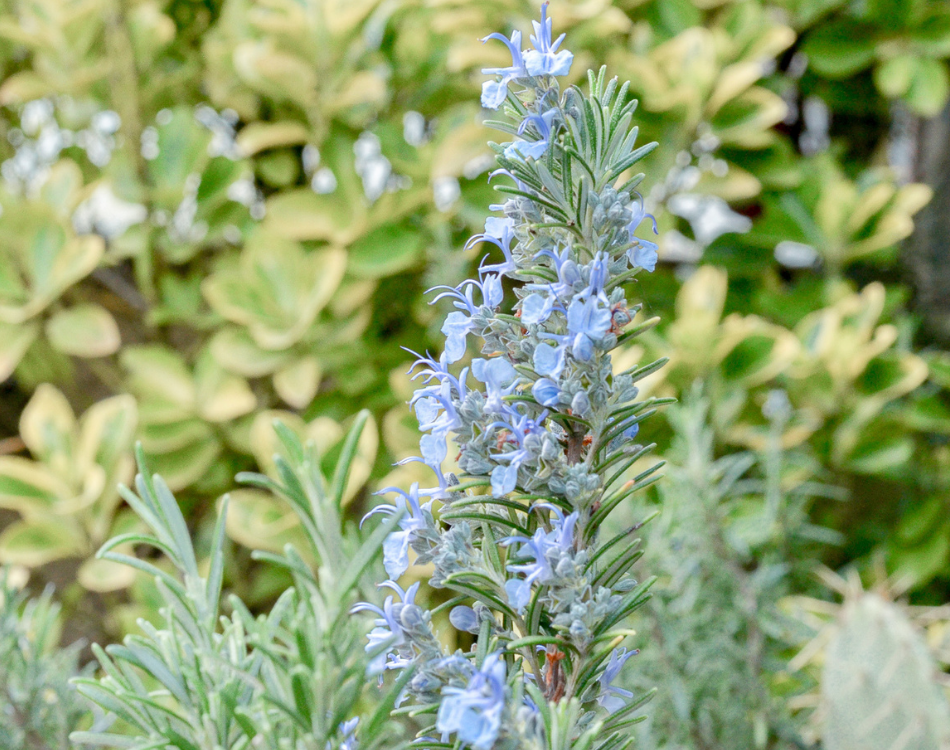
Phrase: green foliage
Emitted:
{"points": [[731, 539], [39, 706], [66, 497], [227, 209], [906, 42], [226, 257], [206, 677]]}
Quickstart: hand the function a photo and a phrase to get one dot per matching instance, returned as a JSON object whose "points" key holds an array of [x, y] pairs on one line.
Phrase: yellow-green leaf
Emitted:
{"points": [[84, 331], [39, 541]]}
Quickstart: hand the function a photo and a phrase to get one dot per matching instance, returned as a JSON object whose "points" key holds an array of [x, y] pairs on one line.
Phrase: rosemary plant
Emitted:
{"points": [[546, 435], [293, 679], [734, 538], [38, 706]]}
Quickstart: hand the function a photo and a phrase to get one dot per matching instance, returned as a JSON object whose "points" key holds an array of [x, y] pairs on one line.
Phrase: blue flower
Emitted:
{"points": [[387, 628], [500, 379], [548, 360], [348, 730], [434, 451], [542, 546], [495, 92], [458, 324], [568, 274], [504, 479], [588, 322], [499, 232], [455, 329], [396, 545], [489, 287], [474, 712], [544, 59], [644, 253], [464, 618], [533, 149], [597, 278], [614, 698], [546, 392], [536, 308], [434, 403]]}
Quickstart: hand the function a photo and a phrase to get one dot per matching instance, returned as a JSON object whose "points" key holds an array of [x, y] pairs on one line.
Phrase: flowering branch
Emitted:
{"points": [[545, 430]]}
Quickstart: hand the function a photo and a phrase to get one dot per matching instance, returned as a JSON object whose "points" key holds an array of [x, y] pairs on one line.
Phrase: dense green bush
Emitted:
{"points": [[38, 707], [228, 209]]}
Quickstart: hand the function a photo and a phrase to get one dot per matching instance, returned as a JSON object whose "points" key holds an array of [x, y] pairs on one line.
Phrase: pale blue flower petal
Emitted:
{"points": [[396, 553], [464, 618], [546, 392], [504, 479], [644, 255], [548, 360], [519, 594]]}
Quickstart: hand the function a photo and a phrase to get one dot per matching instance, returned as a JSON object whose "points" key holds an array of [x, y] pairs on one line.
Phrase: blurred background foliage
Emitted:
{"points": [[216, 213]]}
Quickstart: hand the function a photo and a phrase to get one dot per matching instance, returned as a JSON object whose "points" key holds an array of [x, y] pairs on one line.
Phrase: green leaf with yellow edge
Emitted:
{"points": [[28, 487], [159, 372], [746, 120], [260, 136], [752, 351], [106, 431], [297, 382], [275, 73], [302, 214], [258, 521], [928, 414], [40, 540], [385, 251], [102, 576], [932, 35], [40, 259], [278, 169], [182, 151], [939, 367], [23, 86], [167, 437], [893, 77], [338, 217], [15, 339], [84, 331], [185, 466], [277, 290], [235, 350], [878, 454], [923, 561], [150, 31], [63, 188], [48, 428], [220, 395]]}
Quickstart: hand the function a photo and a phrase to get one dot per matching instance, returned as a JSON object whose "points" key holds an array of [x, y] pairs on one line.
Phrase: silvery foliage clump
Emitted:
{"points": [[38, 706], [546, 435], [216, 676], [733, 539]]}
